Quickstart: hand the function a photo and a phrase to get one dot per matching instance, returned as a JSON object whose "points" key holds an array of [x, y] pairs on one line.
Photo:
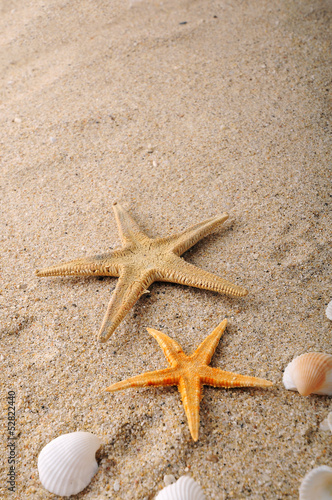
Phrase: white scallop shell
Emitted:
{"points": [[67, 464], [309, 373], [329, 310], [317, 484], [185, 488]]}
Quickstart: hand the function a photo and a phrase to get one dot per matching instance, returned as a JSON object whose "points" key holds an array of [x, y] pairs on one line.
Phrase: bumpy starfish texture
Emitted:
{"points": [[190, 373], [143, 260]]}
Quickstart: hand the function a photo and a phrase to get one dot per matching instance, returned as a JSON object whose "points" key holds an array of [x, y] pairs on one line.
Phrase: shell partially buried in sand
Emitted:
{"points": [[310, 373], [326, 424], [184, 489], [317, 484], [329, 311], [67, 464]]}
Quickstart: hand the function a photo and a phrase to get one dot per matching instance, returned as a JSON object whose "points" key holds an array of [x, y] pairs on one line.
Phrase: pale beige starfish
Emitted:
{"points": [[143, 260], [190, 373]]}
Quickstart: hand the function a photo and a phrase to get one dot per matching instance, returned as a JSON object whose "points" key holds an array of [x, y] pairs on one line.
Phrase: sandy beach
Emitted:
{"points": [[179, 110]]}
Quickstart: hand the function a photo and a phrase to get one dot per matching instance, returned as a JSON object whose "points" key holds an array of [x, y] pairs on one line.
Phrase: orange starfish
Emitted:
{"points": [[190, 373], [143, 260]]}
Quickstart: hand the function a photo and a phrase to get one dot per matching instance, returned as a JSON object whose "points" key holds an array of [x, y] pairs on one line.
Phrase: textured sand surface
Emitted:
{"points": [[179, 110]]}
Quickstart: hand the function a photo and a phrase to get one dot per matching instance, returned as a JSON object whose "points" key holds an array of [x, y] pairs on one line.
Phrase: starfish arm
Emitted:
{"points": [[170, 347], [165, 377], [180, 271], [181, 242], [205, 350], [99, 265], [128, 228], [221, 378], [191, 393], [130, 286]]}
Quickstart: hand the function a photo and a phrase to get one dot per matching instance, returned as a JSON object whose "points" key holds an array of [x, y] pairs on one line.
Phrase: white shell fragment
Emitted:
{"points": [[169, 479], [184, 489], [326, 424], [67, 464], [310, 373], [329, 310], [317, 484]]}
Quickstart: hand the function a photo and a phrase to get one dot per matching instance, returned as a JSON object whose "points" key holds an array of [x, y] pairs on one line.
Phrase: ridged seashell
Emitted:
{"points": [[309, 373], [67, 464], [185, 488], [317, 484], [326, 425], [329, 310]]}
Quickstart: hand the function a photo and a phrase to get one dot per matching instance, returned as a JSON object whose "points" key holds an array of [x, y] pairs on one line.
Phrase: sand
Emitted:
{"points": [[180, 110]]}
